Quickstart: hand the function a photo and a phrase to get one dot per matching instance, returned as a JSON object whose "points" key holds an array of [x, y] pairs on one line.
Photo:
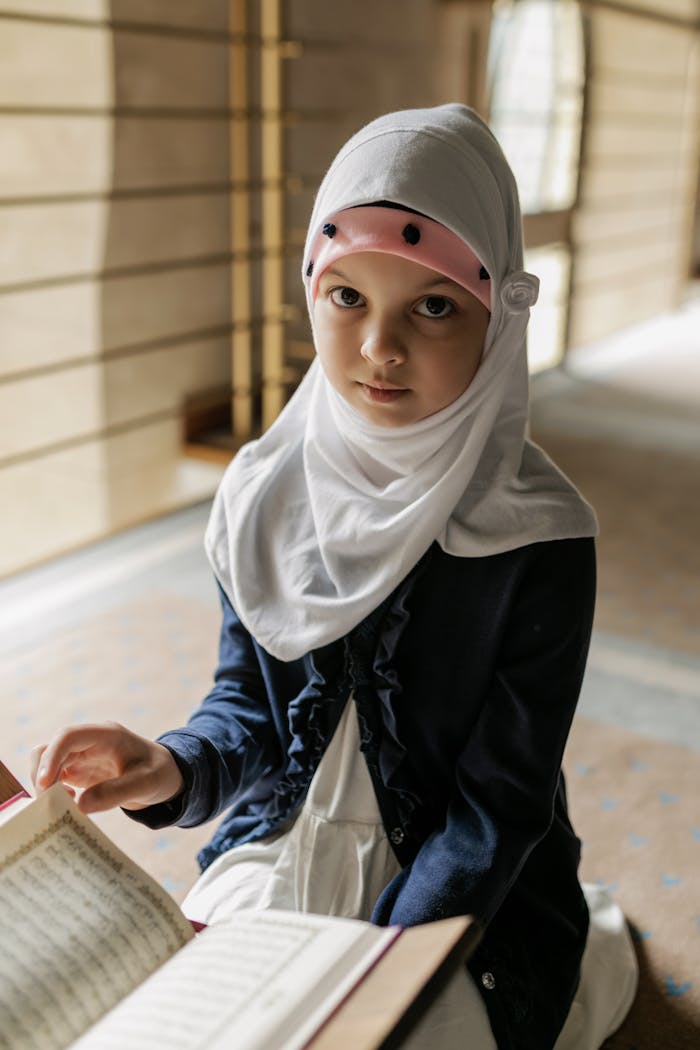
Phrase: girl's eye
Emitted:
{"points": [[346, 297], [435, 306]]}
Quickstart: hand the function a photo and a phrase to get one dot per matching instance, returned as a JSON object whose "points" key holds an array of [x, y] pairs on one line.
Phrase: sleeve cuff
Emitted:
{"points": [[186, 749]]}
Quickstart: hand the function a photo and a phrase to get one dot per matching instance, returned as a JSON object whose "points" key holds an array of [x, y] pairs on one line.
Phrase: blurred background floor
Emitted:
{"points": [[127, 630]]}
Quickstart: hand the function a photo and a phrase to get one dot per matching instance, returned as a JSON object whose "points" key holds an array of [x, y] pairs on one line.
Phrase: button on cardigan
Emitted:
{"points": [[465, 681]]}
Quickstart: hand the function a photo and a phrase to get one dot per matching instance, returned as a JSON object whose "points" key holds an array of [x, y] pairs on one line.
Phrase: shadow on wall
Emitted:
{"points": [[165, 294]]}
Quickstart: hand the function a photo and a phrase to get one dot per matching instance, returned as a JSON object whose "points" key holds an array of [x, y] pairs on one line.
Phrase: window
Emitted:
{"points": [[536, 77]]}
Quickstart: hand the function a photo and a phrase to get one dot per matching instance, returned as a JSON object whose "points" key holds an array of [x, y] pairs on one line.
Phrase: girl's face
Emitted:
{"points": [[397, 340]]}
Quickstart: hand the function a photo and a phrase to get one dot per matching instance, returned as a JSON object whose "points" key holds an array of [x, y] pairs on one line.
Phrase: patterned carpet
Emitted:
{"points": [[634, 802], [648, 506]]}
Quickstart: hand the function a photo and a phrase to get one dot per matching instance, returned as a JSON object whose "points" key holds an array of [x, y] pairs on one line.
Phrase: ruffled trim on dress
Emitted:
{"points": [[312, 717], [391, 756]]}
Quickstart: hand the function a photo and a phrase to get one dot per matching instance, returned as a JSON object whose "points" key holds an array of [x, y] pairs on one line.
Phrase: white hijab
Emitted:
{"points": [[318, 521]]}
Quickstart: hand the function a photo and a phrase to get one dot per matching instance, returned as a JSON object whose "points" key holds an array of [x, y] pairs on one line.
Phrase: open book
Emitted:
{"points": [[95, 954]]}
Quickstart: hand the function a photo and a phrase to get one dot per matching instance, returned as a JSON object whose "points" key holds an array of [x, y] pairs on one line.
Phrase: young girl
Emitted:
{"points": [[407, 586]]}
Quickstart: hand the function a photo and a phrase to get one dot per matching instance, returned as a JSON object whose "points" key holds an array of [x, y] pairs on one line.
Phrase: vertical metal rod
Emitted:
{"points": [[272, 214], [241, 361]]}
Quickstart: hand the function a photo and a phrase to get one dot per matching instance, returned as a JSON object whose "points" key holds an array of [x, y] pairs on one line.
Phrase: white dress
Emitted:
{"points": [[335, 859]]}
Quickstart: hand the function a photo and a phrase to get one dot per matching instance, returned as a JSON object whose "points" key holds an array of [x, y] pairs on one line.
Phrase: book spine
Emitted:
{"points": [[15, 798]]}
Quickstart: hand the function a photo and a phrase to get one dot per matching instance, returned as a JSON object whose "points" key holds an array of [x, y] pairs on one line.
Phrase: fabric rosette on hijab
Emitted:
{"points": [[316, 522]]}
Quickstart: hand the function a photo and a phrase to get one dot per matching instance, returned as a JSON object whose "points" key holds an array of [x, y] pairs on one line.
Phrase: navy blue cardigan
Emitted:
{"points": [[465, 681]]}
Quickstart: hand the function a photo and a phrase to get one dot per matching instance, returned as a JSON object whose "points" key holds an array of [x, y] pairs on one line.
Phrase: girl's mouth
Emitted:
{"points": [[382, 395]]}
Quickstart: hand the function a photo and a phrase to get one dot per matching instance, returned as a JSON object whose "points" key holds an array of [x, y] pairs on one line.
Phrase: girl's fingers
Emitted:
{"points": [[66, 747], [120, 791], [114, 766], [34, 761]]}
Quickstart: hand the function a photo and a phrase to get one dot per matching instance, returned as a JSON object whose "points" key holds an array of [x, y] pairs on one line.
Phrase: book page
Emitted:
{"points": [[82, 925], [11, 808], [262, 979]]}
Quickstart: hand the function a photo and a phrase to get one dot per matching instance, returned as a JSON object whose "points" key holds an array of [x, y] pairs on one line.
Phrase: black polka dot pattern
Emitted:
{"points": [[483, 274], [411, 234], [329, 230], [310, 268]]}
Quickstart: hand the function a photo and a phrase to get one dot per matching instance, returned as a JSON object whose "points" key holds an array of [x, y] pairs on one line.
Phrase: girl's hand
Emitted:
{"points": [[112, 766]]}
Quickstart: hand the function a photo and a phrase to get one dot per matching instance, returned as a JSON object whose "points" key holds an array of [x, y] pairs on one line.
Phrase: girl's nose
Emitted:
{"points": [[382, 345]]}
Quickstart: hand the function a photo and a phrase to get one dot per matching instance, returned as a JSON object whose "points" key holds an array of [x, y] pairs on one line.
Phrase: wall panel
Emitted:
{"points": [[76, 64], [169, 72], [44, 327], [200, 15], [86, 238], [639, 166], [43, 410], [62, 499], [605, 309], [115, 275], [154, 307], [114, 260], [154, 382], [47, 326], [92, 10], [357, 61], [92, 154]]}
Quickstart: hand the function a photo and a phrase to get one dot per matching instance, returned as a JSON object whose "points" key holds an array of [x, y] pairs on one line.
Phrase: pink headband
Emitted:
{"points": [[396, 232]]}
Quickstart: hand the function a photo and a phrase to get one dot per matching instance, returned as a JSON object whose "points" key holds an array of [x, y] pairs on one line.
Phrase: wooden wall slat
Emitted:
{"points": [[55, 489], [188, 14], [168, 72], [124, 68], [607, 310], [42, 410], [330, 80], [658, 97], [359, 23], [46, 326], [156, 381], [47, 155], [41, 328], [619, 140], [637, 45], [597, 228], [144, 308], [309, 148], [42, 241], [54, 155], [84, 399], [637, 176], [94, 10], [682, 9], [92, 489], [183, 14], [635, 188], [625, 263], [70, 58], [114, 259]]}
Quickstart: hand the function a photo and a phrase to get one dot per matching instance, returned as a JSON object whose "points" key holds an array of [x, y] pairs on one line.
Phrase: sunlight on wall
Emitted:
{"points": [[536, 74], [547, 328]]}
